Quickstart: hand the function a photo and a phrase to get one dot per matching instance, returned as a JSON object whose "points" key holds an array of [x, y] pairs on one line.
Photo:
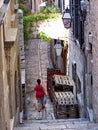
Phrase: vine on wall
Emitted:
{"points": [[47, 13]]}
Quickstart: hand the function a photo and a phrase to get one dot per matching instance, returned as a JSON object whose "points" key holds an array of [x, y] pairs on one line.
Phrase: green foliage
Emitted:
{"points": [[35, 17], [50, 9], [20, 1], [28, 21], [44, 36], [25, 10], [27, 28]]}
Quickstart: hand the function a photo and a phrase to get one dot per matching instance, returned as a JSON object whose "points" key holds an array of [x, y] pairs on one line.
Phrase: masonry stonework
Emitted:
{"points": [[94, 31], [86, 60], [10, 76]]}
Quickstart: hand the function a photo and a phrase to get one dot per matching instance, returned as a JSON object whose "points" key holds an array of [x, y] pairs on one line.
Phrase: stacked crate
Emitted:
{"points": [[63, 81], [65, 105], [50, 73]]}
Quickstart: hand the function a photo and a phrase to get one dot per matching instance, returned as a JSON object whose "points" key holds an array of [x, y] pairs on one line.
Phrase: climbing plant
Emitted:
{"points": [[47, 13], [50, 9], [28, 22], [44, 36], [25, 10]]}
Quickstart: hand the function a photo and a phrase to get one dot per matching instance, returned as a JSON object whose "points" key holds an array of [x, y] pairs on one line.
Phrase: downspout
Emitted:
{"points": [[84, 88], [85, 71]]}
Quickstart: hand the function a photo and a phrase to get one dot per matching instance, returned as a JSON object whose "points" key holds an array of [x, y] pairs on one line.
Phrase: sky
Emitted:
{"points": [[66, 3], [1, 2]]}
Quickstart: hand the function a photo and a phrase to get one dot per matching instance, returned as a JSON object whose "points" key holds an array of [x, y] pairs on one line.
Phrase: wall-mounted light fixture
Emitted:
{"points": [[66, 18], [58, 47]]}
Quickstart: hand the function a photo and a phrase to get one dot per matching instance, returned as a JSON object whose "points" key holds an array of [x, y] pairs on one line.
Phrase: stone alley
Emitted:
{"points": [[55, 41], [37, 62]]}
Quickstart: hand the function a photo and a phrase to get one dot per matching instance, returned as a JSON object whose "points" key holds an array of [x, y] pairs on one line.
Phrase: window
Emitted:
{"points": [[77, 21]]}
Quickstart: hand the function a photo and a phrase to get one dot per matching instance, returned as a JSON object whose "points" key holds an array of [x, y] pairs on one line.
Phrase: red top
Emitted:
{"points": [[39, 91]]}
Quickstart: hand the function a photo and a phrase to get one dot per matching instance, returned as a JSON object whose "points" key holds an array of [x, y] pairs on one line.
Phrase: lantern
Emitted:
{"points": [[58, 47], [66, 18]]}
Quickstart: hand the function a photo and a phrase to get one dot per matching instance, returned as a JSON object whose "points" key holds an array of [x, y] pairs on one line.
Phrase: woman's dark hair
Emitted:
{"points": [[38, 81]]}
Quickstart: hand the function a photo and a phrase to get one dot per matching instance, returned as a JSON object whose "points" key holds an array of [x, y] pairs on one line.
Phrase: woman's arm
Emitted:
{"points": [[44, 91]]}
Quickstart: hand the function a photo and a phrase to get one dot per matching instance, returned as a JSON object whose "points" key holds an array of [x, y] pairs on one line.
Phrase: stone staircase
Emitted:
{"points": [[41, 60], [59, 124]]}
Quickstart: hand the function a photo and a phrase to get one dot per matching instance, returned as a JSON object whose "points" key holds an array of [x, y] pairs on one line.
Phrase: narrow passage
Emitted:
{"points": [[37, 62]]}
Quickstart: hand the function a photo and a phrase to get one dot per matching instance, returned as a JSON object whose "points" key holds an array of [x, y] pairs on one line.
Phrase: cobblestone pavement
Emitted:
{"points": [[37, 62]]}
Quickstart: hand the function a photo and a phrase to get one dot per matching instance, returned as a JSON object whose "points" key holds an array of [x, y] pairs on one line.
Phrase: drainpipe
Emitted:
{"points": [[84, 87]]}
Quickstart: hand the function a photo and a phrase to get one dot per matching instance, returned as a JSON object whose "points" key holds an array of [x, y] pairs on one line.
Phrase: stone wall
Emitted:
{"points": [[10, 76], [76, 57], [4, 123], [51, 27], [94, 19], [22, 58], [91, 24], [87, 63]]}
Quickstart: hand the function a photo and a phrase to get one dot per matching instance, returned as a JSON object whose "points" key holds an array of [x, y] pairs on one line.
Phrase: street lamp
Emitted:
{"points": [[58, 47], [66, 18]]}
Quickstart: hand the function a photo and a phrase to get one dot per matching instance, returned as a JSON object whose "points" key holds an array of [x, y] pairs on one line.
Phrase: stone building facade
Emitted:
{"points": [[35, 5], [91, 45], [22, 58], [10, 69], [60, 4], [83, 56]]}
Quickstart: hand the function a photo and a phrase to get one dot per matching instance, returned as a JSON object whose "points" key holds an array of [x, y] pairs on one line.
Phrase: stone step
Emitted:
{"points": [[60, 126], [76, 120], [55, 122], [29, 128], [26, 128]]}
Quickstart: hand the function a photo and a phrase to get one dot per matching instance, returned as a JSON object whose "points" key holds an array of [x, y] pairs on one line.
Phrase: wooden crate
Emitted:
{"points": [[67, 111], [65, 105], [50, 73], [62, 81], [64, 98]]}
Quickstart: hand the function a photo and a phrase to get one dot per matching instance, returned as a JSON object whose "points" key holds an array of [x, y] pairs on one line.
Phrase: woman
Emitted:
{"points": [[40, 93]]}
